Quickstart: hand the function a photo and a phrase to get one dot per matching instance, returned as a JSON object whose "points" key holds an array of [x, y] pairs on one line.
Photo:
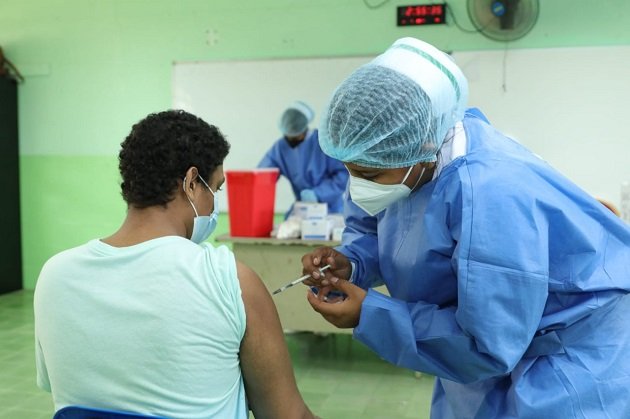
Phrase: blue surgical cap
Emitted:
{"points": [[396, 110], [295, 119]]}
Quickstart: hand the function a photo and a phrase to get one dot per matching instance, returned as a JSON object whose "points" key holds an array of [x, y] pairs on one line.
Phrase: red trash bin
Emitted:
{"points": [[251, 199]]}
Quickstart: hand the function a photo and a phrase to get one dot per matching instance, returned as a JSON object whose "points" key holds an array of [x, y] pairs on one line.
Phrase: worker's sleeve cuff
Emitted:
{"points": [[353, 270]]}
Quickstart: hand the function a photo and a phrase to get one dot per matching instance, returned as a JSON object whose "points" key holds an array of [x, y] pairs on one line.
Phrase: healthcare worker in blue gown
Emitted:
{"points": [[507, 281], [314, 176]]}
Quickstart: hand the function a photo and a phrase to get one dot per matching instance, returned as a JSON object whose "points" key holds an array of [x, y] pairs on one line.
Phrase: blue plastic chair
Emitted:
{"points": [[82, 412]]}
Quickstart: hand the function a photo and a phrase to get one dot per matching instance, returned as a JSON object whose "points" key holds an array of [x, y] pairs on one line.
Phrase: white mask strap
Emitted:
{"points": [[419, 177], [204, 182], [191, 203], [407, 175]]}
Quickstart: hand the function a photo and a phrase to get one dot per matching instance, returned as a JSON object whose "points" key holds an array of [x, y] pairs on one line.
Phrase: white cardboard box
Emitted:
{"points": [[309, 210], [316, 229]]}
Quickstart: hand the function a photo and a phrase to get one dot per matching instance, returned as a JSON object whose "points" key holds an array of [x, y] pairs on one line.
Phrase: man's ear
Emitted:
{"points": [[189, 184]]}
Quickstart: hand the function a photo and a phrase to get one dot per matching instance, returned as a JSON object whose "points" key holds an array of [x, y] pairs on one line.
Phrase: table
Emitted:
{"points": [[277, 262]]}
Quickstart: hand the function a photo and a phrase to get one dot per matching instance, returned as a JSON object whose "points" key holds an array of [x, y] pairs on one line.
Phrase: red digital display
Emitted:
{"points": [[421, 14]]}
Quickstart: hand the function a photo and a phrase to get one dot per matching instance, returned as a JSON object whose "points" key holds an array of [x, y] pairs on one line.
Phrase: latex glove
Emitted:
{"points": [[340, 266], [341, 312], [308, 195]]}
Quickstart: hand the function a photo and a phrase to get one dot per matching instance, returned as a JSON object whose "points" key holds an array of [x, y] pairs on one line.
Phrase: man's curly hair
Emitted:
{"points": [[156, 154]]}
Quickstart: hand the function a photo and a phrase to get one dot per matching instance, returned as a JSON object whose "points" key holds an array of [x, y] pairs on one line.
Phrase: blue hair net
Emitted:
{"points": [[295, 119], [396, 110]]}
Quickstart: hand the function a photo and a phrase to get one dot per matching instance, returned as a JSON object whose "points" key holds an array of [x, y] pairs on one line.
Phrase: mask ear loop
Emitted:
{"points": [[207, 186], [419, 177], [210, 189], [187, 197], [407, 175]]}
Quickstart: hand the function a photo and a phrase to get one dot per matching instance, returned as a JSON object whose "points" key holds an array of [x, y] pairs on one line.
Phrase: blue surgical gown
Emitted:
{"points": [[307, 167], [508, 283]]}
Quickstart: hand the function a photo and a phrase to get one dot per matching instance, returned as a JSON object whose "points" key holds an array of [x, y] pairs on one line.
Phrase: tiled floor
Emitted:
{"points": [[338, 377]]}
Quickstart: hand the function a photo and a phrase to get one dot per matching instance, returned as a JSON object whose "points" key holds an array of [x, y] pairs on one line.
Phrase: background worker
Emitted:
{"points": [[314, 177]]}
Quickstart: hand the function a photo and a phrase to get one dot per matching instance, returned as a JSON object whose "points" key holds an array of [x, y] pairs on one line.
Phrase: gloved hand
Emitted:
{"points": [[308, 195]]}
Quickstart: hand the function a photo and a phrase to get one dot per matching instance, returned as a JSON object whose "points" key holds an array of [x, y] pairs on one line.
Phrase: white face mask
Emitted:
{"points": [[374, 197], [204, 225]]}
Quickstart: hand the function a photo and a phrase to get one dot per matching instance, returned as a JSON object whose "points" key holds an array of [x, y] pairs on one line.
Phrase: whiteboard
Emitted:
{"points": [[569, 105], [245, 99]]}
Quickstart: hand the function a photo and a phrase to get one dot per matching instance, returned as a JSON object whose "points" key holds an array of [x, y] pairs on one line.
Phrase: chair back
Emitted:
{"points": [[82, 412]]}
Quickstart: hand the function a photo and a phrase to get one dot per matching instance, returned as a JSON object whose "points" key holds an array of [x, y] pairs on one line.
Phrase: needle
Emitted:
{"points": [[297, 281]]}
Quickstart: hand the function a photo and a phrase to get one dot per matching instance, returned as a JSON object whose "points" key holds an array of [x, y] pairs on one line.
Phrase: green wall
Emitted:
{"points": [[94, 67]]}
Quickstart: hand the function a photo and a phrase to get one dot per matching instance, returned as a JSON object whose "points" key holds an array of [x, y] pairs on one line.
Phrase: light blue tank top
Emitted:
{"points": [[153, 328]]}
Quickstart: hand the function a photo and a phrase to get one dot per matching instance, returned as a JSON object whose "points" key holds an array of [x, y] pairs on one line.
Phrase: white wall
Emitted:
{"points": [[568, 105]]}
